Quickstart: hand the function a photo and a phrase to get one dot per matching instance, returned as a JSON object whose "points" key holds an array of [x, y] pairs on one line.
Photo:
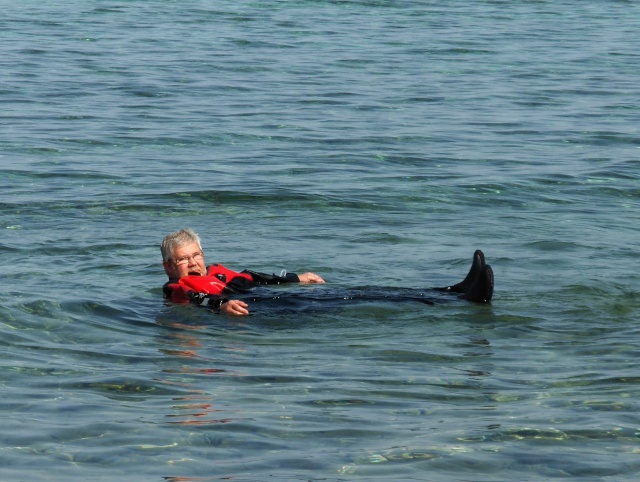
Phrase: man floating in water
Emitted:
{"points": [[191, 281]]}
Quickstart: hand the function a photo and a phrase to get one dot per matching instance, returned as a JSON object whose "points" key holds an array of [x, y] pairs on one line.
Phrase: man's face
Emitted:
{"points": [[186, 260]]}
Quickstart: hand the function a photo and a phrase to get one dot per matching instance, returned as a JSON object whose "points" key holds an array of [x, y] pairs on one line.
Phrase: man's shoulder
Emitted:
{"points": [[169, 287]]}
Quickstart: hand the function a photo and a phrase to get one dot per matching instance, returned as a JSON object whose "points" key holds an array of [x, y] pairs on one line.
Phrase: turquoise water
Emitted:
{"points": [[377, 143]]}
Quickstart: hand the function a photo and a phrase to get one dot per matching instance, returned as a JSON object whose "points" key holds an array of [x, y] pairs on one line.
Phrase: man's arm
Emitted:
{"points": [[310, 278], [234, 307], [271, 279]]}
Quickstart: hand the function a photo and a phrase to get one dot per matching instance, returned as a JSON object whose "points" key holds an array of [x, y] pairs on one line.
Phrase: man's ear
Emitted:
{"points": [[168, 269]]}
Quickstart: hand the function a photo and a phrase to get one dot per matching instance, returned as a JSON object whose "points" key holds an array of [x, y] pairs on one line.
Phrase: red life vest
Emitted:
{"points": [[219, 281]]}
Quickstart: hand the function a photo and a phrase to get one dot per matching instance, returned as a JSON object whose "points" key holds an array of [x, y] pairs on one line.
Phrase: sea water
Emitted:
{"points": [[377, 143]]}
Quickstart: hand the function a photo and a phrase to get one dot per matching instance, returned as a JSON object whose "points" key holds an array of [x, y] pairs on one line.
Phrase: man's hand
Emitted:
{"points": [[234, 308], [310, 278]]}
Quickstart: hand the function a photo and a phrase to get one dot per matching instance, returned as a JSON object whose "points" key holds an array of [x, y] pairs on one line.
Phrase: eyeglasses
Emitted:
{"points": [[185, 259]]}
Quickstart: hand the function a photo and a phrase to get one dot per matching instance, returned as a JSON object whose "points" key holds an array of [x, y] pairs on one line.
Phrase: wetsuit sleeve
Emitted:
{"points": [[271, 279]]}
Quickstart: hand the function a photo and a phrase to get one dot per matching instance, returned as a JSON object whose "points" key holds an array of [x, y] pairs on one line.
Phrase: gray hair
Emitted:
{"points": [[174, 240]]}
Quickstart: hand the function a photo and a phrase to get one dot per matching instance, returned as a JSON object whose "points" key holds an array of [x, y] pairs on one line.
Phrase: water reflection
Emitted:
{"points": [[182, 345]]}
